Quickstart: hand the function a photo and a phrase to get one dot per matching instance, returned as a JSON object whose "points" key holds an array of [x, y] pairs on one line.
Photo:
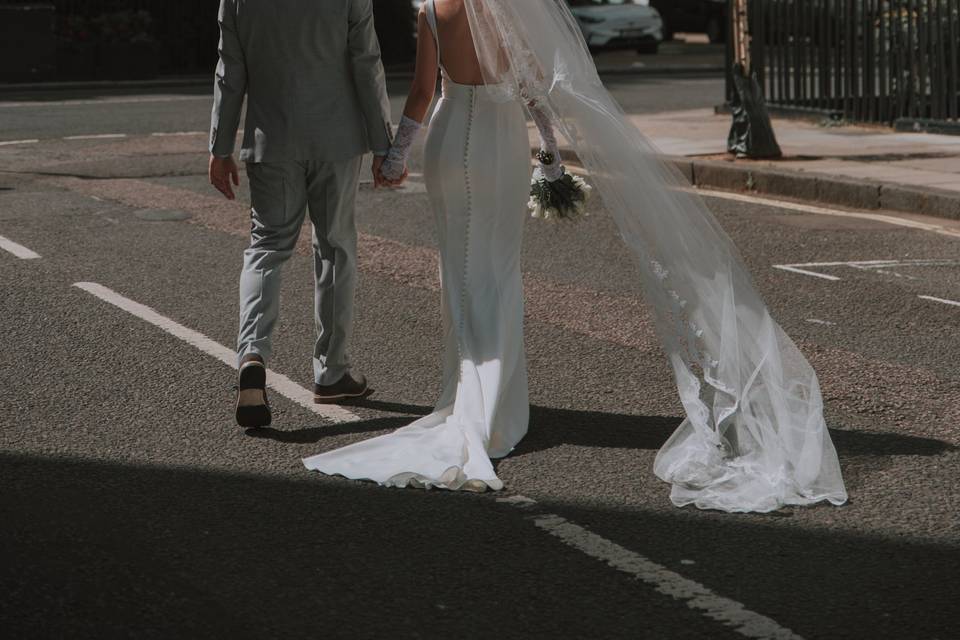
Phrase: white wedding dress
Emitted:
{"points": [[754, 438], [477, 172]]}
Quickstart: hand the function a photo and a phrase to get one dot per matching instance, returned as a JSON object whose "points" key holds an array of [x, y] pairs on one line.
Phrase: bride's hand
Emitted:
{"points": [[399, 181], [375, 170], [393, 174]]}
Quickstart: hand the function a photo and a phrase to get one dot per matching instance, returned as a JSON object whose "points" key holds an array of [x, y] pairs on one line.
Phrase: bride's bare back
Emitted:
{"points": [[457, 52]]}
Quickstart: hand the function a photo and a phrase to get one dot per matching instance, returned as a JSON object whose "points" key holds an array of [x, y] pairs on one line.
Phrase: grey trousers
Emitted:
{"points": [[281, 193]]}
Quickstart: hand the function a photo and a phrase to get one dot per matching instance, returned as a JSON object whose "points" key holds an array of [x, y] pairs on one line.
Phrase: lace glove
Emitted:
{"points": [[549, 155], [396, 161]]}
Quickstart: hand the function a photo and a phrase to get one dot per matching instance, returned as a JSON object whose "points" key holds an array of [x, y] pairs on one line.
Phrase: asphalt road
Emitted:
{"points": [[132, 506]]}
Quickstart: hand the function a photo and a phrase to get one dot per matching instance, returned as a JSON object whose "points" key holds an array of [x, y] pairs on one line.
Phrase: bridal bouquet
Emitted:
{"points": [[563, 198]]}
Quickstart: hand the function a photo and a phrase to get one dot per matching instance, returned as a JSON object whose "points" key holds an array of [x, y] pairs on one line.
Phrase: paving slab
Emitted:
{"points": [[845, 165]]}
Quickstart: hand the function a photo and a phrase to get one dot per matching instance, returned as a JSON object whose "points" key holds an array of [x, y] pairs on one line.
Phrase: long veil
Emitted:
{"points": [[754, 437]]}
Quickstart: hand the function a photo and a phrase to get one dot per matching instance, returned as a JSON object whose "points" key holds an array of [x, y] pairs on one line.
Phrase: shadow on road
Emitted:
{"points": [[552, 427], [100, 550], [95, 549]]}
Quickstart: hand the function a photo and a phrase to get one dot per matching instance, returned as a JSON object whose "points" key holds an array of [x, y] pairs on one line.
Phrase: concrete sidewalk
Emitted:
{"points": [[865, 167]]}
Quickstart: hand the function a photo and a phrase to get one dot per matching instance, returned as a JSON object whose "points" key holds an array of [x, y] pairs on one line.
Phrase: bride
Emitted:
{"points": [[754, 437]]}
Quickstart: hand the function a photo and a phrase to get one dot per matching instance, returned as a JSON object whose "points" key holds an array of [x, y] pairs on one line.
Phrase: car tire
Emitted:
{"points": [[649, 48]]}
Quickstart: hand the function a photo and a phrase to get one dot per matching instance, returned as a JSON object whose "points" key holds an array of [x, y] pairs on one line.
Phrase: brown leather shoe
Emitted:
{"points": [[253, 409], [347, 388]]}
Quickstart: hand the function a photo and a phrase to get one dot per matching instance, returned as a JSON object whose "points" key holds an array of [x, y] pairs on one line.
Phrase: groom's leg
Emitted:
{"points": [[332, 193], [279, 201]]}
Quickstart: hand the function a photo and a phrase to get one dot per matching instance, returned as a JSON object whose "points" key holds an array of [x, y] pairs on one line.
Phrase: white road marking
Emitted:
{"points": [[823, 322], [276, 381], [517, 501], [99, 136], [10, 143], [864, 265], [793, 269], [953, 303], [824, 211], [807, 208], [75, 103], [174, 134], [18, 250], [694, 595]]}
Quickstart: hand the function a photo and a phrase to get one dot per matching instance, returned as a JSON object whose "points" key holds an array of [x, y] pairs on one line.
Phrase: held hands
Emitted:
{"points": [[224, 175], [391, 170], [387, 173]]}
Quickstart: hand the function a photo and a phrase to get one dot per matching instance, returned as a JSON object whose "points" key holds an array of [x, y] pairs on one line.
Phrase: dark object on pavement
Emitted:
{"points": [[751, 134], [693, 16], [345, 389], [253, 410]]}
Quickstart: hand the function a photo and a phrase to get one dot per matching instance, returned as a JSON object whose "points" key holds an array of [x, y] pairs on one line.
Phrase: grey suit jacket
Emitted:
{"points": [[313, 78]]}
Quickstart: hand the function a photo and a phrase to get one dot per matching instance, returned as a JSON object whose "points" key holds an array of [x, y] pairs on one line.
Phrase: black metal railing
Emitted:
{"points": [[885, 61]]}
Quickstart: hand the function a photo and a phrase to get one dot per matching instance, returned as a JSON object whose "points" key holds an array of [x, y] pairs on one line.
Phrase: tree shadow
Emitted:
{"points": [[96, 549], [312, 435]]}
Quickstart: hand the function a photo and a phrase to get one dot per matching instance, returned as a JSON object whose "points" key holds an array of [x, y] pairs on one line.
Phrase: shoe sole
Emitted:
{"points": [[343, 397], [253, 416]]}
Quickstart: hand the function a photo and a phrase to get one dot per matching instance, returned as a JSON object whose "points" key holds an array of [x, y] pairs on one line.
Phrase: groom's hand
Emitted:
{"points": [[380, 180], [223, 172]]}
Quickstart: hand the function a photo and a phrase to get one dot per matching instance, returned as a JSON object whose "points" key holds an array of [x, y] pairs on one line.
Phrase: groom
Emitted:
{"points": [[316, 103]]}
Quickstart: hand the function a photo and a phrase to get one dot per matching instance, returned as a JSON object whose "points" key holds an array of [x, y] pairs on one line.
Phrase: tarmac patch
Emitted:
{"points": [[162, 215]]}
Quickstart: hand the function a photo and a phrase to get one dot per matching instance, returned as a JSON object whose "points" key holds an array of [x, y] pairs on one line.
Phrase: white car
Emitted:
{"points": [[619, 24]]}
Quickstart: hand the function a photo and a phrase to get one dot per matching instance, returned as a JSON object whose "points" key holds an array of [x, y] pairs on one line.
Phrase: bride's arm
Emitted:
{"points": [[418, 100], [425, 76], [549, 154]]}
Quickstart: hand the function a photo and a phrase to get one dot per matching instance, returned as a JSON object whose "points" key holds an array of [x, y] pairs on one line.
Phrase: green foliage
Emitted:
{"points": [[564, 197], [118, 27]]}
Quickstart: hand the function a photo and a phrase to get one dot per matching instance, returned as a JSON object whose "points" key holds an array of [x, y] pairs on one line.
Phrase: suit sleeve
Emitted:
{"points": [[369, 75], [230, 86]]}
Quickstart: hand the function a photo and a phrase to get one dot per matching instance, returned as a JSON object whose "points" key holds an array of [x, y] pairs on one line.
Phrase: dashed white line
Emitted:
{"points": [[694, 595], [794, 269], [727, 612], [864, 265], [10, 143], [177, 134], [276, 381], [952, 303], [99, 136], [101, 101], [18, 250]]}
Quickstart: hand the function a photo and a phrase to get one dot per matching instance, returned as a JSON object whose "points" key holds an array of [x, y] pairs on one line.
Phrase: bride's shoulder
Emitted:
{"points": [[445, 7]]}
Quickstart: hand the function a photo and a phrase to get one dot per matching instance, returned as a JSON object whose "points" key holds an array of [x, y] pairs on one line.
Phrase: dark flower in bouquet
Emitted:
{"points": [[556, 194]]}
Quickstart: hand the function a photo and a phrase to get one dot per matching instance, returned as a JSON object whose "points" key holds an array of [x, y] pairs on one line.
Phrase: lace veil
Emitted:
{"points": [[754, 437]]}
